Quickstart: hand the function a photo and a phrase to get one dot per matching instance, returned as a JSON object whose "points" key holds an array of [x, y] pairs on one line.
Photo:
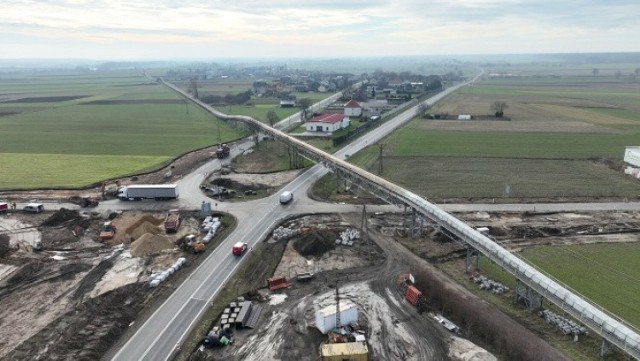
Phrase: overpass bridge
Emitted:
{"points": [[612, 329]]}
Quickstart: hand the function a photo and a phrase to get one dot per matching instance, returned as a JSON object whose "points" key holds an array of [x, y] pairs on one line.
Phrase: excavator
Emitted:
{"points": [[192, 244], [108, 230]]}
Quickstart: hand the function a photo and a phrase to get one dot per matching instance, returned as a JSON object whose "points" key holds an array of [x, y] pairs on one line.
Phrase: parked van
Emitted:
{"points": [[34, 208], [286, 197], [4, 207]]}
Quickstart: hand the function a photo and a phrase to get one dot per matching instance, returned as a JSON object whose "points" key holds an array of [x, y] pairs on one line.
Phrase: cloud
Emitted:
{"points": [[298, 27]]}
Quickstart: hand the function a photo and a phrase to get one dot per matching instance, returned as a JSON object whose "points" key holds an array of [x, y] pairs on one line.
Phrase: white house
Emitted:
{"points": [[327, 123], [352, 109]]}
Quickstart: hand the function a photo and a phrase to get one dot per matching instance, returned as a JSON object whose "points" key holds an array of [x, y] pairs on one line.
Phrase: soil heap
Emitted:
{"points": [[145, 228], [149, 244], [61, 216]]}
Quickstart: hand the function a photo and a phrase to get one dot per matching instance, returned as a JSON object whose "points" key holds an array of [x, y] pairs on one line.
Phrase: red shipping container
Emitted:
{"points": [[276, 283], [413, 295]]}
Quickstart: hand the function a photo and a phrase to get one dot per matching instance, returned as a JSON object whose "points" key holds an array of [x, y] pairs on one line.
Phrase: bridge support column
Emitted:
{"points": [[473, 256], [604, 349], [528, 297], [415, 224]]}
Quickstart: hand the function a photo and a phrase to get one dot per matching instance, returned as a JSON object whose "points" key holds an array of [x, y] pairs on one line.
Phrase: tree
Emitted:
{"points": [[193, 88], [637, 71], [595, 71], [618, 74], [272, 118], [422, 109], [498, 108], [304, 105]]}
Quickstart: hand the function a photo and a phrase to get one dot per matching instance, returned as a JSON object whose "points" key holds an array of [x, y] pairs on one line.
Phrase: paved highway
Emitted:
{"points": [[157, 337]]}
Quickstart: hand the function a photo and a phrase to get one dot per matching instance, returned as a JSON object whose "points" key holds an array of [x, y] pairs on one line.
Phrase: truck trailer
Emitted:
{"points": [[148, 191]]}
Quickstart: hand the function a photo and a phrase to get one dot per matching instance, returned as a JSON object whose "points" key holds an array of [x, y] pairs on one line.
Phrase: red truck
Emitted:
{"points": [[4, 207], [172, 222], [223, 151]]}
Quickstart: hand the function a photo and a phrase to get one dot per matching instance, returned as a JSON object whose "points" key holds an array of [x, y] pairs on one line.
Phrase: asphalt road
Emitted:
{"points": [[157, 338]]}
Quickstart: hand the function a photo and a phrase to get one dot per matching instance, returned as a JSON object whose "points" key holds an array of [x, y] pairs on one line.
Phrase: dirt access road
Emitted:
{"points": [[394, 329]]}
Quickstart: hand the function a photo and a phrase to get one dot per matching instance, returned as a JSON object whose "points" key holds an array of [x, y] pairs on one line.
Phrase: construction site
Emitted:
{"points": [[71, 283], [75, 284], [368, 285], [379, 295]]}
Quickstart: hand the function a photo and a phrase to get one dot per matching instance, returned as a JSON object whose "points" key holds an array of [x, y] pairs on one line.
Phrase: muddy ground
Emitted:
{"points": [[367, 274], [79, 285], [75, 297]]}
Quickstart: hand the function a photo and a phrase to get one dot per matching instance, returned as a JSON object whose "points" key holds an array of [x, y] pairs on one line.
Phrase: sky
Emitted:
{"points": [[215, 29]]}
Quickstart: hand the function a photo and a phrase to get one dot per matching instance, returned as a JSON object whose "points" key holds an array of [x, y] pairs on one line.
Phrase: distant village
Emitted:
{"points": [[378, 92]]}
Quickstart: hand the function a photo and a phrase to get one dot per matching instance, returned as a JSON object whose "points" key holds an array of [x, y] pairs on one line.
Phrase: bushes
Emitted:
{"points": [[481, 322]]}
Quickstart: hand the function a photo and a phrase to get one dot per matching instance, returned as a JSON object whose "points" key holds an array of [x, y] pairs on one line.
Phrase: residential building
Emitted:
{"points": [[353, 109], [327, 123]]}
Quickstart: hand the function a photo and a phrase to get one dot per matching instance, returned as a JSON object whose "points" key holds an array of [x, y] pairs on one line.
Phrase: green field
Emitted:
{"points": [[605, 273], [119, 123], [564, 137]]}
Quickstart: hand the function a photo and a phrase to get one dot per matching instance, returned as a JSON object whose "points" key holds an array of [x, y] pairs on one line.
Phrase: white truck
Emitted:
{"points": [[138, 192]]}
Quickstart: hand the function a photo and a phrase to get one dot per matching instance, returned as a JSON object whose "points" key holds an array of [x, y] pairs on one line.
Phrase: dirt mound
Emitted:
{"points": [[234, 184], [149, 244], [61, 216], [145, 228], [150, 219], [89, 330], [316, 243]]}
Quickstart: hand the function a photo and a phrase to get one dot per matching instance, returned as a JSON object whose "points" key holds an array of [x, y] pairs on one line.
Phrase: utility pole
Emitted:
{"points": [[381, 147], [364, 232], [337, 307]]}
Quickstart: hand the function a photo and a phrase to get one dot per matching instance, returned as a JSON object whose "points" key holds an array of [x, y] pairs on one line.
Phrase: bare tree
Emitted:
{"points": [[272, 118], [422, 109], [193, 88], [498, 108], [595, 71], [304, 105]]}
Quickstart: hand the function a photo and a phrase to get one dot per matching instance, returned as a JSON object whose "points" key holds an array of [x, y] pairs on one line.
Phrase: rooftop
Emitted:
{"points": [[327, 118], [352, 104]]}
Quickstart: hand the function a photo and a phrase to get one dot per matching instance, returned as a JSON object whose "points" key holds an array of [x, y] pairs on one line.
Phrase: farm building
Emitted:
{"points": [[327, 123], [351, 351], [352, 109]]}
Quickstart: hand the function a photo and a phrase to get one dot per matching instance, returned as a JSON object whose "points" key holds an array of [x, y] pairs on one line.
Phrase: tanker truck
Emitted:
{"points": [[136, 192]]}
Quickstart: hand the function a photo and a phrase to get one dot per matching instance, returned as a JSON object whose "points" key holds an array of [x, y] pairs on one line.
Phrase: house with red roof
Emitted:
{"points": [[352, 109], [327, 123]]}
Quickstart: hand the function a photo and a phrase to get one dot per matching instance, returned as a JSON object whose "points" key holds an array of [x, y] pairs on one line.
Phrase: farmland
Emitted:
{"points": [[605, 273], [75, 129], [564, 136]]}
